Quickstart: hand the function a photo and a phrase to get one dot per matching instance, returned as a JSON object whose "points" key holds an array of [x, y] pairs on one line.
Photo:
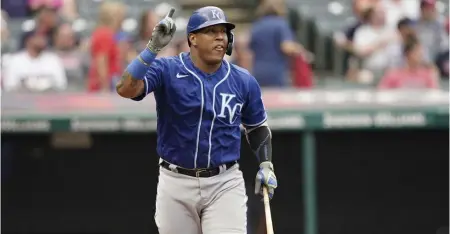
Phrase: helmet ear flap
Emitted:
{"points": [[230, 36]]}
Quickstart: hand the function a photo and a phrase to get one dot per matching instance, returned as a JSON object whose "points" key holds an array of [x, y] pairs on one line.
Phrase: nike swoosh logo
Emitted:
{"points": [[181, 76]]}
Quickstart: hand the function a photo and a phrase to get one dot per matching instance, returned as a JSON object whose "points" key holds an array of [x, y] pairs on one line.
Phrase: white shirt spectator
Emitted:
{"points": [[398, 9], [369, 37], [37, 74]]}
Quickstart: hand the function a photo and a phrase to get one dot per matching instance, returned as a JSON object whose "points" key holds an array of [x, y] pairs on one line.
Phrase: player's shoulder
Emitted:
{"points": [[242, 76], [240, 71]]}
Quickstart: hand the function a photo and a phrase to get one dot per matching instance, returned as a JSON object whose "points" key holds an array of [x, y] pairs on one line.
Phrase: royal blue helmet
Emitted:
{"points": [[208, 16]]}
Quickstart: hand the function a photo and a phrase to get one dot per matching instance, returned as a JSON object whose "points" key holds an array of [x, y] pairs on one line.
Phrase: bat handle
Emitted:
{"points": [[267, 211]]}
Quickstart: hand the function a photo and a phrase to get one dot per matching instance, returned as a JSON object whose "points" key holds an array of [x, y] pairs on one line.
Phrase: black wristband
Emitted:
{"points": [[260, 142]]}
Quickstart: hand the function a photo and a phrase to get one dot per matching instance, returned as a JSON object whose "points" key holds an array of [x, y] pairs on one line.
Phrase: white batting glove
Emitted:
{"points": [[162, 33], [266, 177]]}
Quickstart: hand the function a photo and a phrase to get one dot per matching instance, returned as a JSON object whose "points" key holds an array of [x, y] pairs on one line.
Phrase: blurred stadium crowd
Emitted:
{"points": [[394, 36], [83, 45]]}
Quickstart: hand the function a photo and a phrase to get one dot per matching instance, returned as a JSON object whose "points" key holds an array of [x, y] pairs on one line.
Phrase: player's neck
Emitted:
{"points": [[202, 66]]}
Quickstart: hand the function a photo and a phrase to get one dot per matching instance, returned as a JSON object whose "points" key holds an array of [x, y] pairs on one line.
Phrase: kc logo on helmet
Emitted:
{"points": [[216, 14]]}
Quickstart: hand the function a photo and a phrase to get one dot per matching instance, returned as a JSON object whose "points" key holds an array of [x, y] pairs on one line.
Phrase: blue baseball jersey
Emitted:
{"points": [[199, 114]]}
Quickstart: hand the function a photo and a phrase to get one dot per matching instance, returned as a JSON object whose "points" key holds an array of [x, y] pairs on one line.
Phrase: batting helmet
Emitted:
{"points": [[209, 16]]}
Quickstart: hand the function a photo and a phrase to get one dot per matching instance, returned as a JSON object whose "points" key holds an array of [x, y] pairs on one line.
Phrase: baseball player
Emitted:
{"points": [[201, 102]]}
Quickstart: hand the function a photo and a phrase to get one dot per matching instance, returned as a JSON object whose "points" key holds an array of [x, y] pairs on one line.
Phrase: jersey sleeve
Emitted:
{"points": [[254, 112], [153, 79]]}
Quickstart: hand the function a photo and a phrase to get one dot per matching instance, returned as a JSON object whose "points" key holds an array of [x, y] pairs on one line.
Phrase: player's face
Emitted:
{"points": [[211, 43]]}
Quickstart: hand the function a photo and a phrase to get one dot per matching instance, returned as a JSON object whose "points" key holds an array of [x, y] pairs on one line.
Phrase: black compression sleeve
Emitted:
{"points": [[260, 142]]}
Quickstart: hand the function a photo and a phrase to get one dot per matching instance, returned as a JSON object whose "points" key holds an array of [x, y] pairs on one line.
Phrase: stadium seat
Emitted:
{"points": [[323, 42], [317, 10]]}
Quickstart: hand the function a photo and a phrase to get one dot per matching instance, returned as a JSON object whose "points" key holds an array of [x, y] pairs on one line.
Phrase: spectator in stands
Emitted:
{"points": [[73, 60], [405, 29], [430, 30], [345, 40], [34, 69], [46, 23], [442, 61], [66, 8], [415, 74], [398, 9], [105, 65], [272, 44], [371, 43]]}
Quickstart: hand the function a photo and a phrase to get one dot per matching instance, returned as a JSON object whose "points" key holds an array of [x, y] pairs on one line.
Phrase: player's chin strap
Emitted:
{"points": [[260, 140]]}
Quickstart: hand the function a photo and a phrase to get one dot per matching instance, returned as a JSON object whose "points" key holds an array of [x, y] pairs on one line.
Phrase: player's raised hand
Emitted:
{"points": [[266, 177], [162, 33]]}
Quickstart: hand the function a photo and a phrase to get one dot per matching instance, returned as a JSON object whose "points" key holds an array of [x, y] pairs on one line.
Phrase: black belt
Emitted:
{"points": [[203, 172]]}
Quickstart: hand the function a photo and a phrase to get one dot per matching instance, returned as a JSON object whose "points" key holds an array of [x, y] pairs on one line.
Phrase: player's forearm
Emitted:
{"points": [[129, 87], [260, 141], [132, 83]]}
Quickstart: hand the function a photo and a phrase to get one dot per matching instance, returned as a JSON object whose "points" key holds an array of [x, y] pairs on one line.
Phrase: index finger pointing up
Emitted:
{"points": [[170, 14]]}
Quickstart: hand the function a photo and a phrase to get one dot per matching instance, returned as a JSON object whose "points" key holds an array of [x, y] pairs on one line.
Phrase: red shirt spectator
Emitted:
{"points": [[421, 77], [414, 75], [103, 44], [105, 52]]}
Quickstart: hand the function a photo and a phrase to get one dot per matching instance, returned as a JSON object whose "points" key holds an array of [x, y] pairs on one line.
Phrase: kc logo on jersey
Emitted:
{"points": [[226, 106]]}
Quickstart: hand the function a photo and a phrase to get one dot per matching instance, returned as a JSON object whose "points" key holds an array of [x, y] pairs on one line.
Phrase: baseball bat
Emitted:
{"points": [[269, 224]]}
